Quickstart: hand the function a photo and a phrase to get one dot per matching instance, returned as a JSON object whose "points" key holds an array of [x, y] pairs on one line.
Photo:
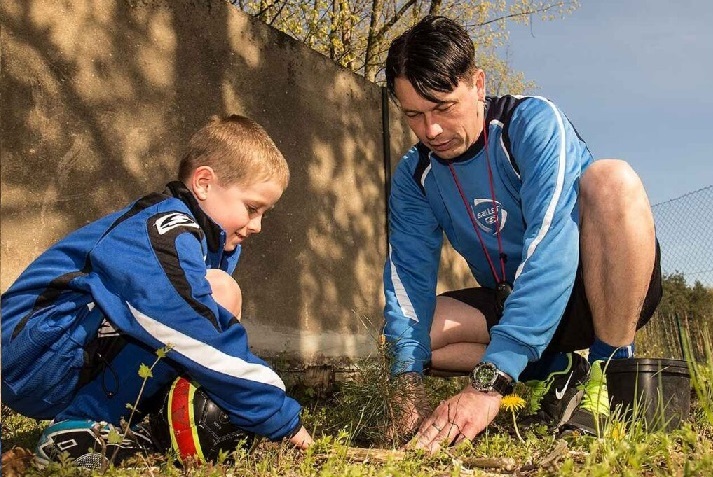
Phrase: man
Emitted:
{"points": [[563, 247]]}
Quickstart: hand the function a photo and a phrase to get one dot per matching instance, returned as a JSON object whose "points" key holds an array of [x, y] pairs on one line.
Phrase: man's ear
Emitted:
{"points": [[202, 179], [479, 79]]}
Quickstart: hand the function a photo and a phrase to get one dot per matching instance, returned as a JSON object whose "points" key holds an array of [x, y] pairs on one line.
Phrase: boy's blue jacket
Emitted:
{"points": [[536, 158], [142, 272]]}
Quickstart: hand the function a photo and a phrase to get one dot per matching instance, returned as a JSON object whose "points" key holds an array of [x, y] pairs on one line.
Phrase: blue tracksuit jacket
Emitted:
{"points": [[536, 158], [77, 324]]}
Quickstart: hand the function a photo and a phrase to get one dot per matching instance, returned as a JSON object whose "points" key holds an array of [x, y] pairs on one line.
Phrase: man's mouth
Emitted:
{"points": [[443, 146]]}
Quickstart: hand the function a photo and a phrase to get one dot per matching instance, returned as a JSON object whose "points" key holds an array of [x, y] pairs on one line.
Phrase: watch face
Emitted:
{"points": [[484, 375]]}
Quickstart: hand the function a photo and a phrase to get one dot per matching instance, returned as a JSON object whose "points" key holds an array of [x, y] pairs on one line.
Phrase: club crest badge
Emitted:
{"points": [[485, 215]]}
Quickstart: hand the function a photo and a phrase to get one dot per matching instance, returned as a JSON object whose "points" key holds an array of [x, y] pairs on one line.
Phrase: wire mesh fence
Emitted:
{"points": [[684, 227]]}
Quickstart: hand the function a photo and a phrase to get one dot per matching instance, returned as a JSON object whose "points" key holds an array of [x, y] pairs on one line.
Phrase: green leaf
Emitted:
{"points": [[145, 371], [114, 436]]}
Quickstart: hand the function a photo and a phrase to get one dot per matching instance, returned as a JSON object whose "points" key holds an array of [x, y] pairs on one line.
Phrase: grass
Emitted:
{"points": [[350, 424]]}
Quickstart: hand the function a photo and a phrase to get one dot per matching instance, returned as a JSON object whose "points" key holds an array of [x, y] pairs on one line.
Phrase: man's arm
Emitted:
{"points": [[551, 158], [411, 270]]}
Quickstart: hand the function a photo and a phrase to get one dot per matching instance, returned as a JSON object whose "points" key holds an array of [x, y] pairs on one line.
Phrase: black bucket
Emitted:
{"points": [[654, 389]]}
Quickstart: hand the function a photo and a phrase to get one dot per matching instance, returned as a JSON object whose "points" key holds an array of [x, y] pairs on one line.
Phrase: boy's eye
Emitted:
{"points": [[252, 210]]}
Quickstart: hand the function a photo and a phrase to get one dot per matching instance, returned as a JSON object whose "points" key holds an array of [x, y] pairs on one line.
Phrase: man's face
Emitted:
{"points": [[451, 125]]}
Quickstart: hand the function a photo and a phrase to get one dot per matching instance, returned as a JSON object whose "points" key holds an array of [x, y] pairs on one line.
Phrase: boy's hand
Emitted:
{"points": [[302, 440]]}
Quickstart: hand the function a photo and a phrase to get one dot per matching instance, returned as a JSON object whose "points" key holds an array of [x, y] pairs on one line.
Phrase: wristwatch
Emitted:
{"points": [[487, 377]]}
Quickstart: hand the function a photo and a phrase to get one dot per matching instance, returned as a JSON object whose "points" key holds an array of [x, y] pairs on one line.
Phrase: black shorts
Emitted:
{"points": [[576, 329]]}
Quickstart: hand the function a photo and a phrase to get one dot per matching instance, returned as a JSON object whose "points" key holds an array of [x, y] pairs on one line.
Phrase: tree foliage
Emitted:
{"points": [[688, 307], [357, 33], [695, 303], [683, 319]]}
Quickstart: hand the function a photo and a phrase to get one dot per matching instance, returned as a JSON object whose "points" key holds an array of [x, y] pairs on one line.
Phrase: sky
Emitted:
{"points": [[635, 78]]}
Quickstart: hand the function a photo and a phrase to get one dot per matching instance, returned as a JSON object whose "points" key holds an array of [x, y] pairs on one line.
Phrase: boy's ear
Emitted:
{"points": [[201, 181]]}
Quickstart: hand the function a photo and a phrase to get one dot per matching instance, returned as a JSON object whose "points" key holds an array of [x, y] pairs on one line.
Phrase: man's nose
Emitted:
{"points": [[432, 128]]}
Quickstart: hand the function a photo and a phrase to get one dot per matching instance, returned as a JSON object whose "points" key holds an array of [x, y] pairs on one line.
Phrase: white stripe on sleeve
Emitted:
{"points": [[205, 355], [550, 212], [401, 295]]}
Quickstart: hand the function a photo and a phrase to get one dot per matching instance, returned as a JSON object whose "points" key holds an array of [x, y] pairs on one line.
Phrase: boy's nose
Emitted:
{"points": [[255, 225]]}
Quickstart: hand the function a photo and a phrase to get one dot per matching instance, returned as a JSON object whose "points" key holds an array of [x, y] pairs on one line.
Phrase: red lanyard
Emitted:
{"points": [[501, 282]]}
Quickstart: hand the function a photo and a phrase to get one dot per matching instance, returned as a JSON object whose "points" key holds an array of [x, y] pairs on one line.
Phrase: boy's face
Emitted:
{"points": [[238, 208]]}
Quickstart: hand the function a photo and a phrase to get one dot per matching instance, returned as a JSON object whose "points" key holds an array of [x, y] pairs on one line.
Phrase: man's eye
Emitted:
{"points": [[445, 107], [412, 114]]}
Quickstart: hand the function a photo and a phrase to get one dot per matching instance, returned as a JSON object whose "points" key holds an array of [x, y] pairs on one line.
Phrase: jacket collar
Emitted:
{"points": [[215, 236]]}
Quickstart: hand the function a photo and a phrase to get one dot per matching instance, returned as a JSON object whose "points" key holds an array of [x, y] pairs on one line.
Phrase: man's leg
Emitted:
{"points": [[459, 335], [618, 252], [618, 248]]}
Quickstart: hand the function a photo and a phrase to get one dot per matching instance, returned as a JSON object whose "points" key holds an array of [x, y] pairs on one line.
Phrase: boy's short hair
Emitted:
{"points": [[238, 150], [433, 55]]}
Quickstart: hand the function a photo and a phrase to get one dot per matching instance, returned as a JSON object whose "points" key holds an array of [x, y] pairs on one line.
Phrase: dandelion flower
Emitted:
{"points": [[617, 431], [512, 403]]}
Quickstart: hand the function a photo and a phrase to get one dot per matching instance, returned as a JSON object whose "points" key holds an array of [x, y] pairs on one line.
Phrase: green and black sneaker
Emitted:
{"points": [[592, 413], [554, 399]]}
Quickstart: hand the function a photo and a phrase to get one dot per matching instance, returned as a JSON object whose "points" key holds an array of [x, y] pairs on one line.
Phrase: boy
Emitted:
{"points": [[83, 317]]}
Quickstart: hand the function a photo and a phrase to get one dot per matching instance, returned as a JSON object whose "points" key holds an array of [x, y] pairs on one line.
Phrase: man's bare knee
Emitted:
{"points": [[226, 291], [611, 186], [455, 322]]}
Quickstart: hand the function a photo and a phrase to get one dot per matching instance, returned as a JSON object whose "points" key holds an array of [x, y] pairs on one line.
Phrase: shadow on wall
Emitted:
{"points": [[92, 115], [325, 239], [99, 99]]}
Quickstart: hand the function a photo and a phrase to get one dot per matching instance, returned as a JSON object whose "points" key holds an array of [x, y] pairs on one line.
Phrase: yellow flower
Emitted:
{"points": [[617, 431], [512, 403]]}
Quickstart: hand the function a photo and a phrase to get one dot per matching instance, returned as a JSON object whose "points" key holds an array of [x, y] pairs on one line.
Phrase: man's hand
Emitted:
{"points": [[302, 440], [463, 416], [409, 407]]}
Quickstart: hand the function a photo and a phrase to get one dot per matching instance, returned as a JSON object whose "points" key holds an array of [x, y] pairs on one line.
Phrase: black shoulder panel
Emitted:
{"points": [[423, 162], [501, 109], [163, 229]]}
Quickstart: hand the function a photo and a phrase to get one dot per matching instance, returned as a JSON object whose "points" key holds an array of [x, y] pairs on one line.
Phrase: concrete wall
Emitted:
{"points": [[97, 99]]}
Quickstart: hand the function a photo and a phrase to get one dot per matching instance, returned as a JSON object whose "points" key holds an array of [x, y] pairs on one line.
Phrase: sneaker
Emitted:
{"points": [[593, 411], [86, 442], [554, 399]]}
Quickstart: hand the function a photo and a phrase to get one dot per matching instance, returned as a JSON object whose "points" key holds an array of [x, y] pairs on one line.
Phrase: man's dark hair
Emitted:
{"points": [[434, 55]]}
